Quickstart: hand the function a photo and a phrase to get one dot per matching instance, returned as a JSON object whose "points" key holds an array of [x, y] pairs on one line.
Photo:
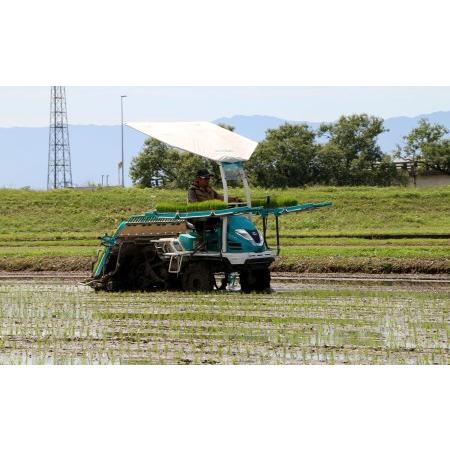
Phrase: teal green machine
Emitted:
{"points": [[166, 250]]}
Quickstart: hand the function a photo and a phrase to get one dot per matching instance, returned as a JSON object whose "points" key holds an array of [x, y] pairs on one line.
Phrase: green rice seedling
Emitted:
{"points": [[272, 201], [309, 326], [185, 207]]}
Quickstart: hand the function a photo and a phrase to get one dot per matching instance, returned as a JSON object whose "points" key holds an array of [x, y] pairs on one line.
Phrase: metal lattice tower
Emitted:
{"points": [[59, 167]]}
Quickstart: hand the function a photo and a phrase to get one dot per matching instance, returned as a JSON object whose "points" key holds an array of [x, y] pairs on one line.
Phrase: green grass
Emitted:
{"points": [[66, 223], [49, 243], [359, 251], [334, 248], [48, 251], [66, 324], [353, 241], [355, 210]]}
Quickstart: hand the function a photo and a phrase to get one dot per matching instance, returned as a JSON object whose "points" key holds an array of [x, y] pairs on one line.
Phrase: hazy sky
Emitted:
{"points": [[29, 106]]}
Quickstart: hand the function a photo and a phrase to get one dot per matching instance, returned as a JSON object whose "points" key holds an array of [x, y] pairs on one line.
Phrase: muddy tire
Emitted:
{"points": [[257, 280], [198, 277], [112, 286]]}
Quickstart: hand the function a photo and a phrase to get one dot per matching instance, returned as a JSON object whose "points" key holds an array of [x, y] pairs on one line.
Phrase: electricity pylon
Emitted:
{"points": [[59, 166]]}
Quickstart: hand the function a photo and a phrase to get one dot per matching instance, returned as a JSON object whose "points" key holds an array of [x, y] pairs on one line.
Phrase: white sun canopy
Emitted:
{"points": [[201, 138]]}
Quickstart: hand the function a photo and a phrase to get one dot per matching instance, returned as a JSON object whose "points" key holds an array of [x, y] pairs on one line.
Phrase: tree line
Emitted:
{"points": [[342, 153]]}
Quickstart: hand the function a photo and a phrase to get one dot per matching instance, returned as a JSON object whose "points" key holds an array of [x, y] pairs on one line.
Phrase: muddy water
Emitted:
{"points": [[283, 280]]}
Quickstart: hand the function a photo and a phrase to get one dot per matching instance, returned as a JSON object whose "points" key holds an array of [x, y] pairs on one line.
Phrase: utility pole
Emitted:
{"points": [[59, 167], [121, 115]]}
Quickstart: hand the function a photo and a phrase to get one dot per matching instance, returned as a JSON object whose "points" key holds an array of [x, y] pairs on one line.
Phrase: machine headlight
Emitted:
{"points": [[244, 233], [261, 238], [254, 236], [257, 237]]}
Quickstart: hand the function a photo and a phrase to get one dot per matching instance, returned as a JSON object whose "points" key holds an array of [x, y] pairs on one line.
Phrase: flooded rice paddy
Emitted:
{"points": [[62, 322]]}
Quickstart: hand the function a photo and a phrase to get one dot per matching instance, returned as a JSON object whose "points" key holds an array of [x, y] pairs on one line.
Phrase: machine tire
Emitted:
{"points": [[112, 286], [145, 271], [257, 280], [198, 277]]}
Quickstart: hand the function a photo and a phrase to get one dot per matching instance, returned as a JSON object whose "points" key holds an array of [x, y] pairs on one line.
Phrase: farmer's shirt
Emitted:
{"points": [[198, 194]]}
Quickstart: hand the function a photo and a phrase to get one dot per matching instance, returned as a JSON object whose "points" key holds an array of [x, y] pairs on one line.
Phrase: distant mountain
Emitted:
{"points": [[95, 149], [401, 126], [254, 127]]}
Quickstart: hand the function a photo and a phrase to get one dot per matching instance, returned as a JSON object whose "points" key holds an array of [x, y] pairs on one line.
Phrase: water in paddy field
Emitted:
{"points": [[51, 322]]}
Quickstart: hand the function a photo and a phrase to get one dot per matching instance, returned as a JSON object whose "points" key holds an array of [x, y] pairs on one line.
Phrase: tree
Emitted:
{"points": [[352, 155], [154, 165], [149, 168], [284, 158], [188, 165], [330, 165], [159, 165], [424, 139], [386, 173], [437, 155], [226, 126], [356, 135], [331, 169]]}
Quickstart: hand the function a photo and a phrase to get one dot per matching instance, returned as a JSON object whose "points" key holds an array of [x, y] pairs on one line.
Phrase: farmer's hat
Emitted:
{"points": [[203, 173]]}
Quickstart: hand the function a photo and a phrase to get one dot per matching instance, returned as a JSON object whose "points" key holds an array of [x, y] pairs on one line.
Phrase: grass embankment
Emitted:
{"points": [[366, 229]]}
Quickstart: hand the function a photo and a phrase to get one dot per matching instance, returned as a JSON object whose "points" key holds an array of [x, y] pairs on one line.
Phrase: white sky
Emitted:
{"points": [[29, 106]]}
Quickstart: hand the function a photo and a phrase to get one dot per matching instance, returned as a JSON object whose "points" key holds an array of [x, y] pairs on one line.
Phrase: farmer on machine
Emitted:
{"points": [[200, 190]]}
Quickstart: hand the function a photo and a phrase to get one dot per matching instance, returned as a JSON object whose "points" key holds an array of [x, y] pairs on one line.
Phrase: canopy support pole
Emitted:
{"points": [[264, 221], [246, 187], [224, 183], [224, 234], [278, 234]]}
